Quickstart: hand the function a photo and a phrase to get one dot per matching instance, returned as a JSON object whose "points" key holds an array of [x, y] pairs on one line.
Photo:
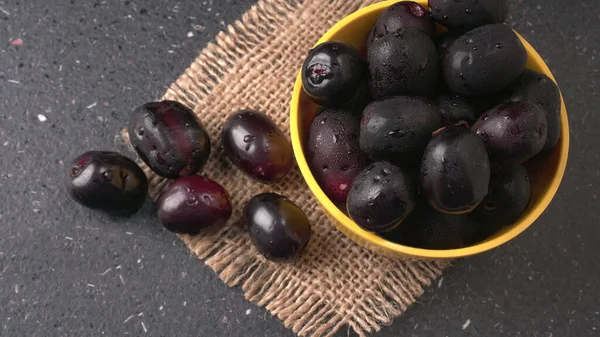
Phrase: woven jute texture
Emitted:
{"points": [[253, 65]]}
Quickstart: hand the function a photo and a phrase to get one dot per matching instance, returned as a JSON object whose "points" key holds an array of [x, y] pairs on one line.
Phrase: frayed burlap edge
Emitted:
{"points": [[336, 282]]}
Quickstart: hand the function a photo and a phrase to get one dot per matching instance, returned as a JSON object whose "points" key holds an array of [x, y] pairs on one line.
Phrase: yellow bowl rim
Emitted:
{"points": [[399, 249]]}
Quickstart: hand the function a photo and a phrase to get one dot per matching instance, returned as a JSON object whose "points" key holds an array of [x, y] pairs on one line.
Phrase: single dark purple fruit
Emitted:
{"points": [[508, 196], [430, 229], [455, 109], [513, 132], [404, 62], [257, 146], [538, 88], [397, 129], [381, 197], [277, 227], [464, 15], [192, 203], [169, 138], [484, 60], [332, 73], [455, 170], [107, 181], [333, 153], [405, 14]]}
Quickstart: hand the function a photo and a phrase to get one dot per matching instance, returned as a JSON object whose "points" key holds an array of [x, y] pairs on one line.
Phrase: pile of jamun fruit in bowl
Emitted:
{"points": [[429, 132]]}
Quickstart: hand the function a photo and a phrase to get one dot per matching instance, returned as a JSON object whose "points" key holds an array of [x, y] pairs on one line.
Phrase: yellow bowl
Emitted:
{"points": [[546, 173]]}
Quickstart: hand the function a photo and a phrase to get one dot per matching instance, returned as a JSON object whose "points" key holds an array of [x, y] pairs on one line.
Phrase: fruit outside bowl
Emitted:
{"points": [[546, 171]]}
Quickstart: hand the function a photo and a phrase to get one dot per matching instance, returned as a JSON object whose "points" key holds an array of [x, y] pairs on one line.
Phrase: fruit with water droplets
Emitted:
{"points": [[255, 144], [169, 138], [402, 63], [464, 15], [512, 132], [397, 129], [538, 88], [484, 60], [454, 109], [508, 196], [107, 181], [277, 227], [381, 197], [332, 73], [333, 152], [404, 14], [455, 170], [192, 203]]}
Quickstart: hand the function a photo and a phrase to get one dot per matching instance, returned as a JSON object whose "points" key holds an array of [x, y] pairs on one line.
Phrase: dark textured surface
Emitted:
{"points": [[66, 271]]}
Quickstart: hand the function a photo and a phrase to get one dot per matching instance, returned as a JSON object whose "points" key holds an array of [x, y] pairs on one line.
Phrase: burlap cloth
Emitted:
{"points": [[336, 282]]}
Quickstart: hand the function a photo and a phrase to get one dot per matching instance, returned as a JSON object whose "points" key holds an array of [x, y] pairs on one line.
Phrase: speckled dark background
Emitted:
{"points": [[66, 271]]}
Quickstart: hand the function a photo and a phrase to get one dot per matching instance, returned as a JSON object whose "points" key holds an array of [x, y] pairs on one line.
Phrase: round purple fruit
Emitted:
{"points": [[333, 152], [107, 181], [255, 144], [192, 203], [512, 132], [381, 197], [455, 170], [169, 138], [277, 227], [332, 73], [402, 15]]}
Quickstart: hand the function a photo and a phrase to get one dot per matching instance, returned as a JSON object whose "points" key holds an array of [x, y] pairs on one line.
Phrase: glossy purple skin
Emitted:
{"points": [[277, 227], [381, 197], [538, 88], [403, 63], [405, 14], [484, 60], [454, 109], [397, 129], [333, 153], [169, 138], [107, 181], [508, 196], [455, 170], [256, 146], [464, 15], [332, 73], [192, 203], [512, 132]]}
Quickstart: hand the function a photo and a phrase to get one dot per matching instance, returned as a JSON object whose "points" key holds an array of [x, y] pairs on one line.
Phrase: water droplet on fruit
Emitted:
{"points": [[323, 120], [325, 167], [271, 242], [141, 131], [474, 48], [335, 138], [386, 181], [385, 172], [334, 47], [445, 17], [462, 76], [398, 133], [249, 138], [469, 41], [499, 45], [247, 148], [376, 180], [371, 204], [368, 219], [468, 11], [343, 187]]}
